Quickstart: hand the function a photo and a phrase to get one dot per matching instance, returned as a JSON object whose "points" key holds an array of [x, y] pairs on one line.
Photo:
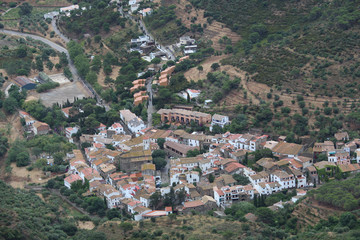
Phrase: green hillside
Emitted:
{"points": [[298, 44]]}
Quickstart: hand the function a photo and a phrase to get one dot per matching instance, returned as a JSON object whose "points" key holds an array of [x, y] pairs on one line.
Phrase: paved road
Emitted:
{"points": [[57, 31], [72, 67], [150, 109]]}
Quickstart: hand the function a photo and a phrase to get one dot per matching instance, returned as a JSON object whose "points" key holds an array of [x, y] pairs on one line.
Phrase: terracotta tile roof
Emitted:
{"points": [[287, 148], [323, 164], [66, 110], [155, 213], [193, 204], [179, 147], [233, 166], [72, 178]]}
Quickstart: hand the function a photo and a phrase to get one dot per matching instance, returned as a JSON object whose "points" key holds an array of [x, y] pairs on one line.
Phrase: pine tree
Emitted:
{"points": [[255, 201]]}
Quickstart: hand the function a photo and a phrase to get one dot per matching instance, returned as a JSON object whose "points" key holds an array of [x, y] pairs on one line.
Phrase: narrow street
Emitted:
{"points": [[150, 109]]}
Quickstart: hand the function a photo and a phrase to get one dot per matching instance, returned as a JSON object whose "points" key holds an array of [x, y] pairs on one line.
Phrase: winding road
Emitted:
{"points": [[72, 67]]}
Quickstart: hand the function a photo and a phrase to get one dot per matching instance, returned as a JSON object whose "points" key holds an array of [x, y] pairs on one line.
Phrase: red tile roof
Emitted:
{"points": [[233, 166], [193, 204], [72, 178]]}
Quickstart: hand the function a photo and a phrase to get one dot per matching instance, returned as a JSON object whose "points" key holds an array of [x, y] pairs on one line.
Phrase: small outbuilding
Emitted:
{"points": [[24, 83]]}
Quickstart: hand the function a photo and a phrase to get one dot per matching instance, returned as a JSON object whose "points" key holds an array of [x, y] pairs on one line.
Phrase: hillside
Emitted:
{"points": [[301, 45], [211, 30], [24, 215]]}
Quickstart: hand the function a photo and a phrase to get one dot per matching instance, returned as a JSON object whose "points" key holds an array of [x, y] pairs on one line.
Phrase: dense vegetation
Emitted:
{"points": [[47, 86], [94, 19], [25, 216], [340, 194], [164, 25], [21, 55], [304, 45]]}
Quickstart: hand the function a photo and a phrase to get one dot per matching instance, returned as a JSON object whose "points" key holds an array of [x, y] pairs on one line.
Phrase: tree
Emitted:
{"points": [[36, 151], [265, 215], [241, 180], [215, 66], [10, 105], [49, 65], [22, 159], [113, 213], [159, 162], [58, 158], [211, 178], [160, 142], [82, 65], [200, 68], [263, 153], [91, 77], [158, 153], [155, 200], [96, 64], [192, 153], [156, 61], [21, 52], [126, 226], [25, 9], [69, 229]]}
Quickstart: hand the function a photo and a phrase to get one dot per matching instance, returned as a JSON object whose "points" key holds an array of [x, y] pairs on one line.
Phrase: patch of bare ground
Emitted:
{"points": [[20, 177], [11, 127], [196, 75], [113, 75], [213, 31], [87, 225], [310, 212]]}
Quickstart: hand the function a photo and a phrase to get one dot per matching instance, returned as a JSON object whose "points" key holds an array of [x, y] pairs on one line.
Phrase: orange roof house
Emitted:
{"points": [[140, 100]]}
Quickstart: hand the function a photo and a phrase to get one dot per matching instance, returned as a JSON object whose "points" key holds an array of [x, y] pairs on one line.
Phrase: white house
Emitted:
{"points": [[219, 120], [140, 211], [69, 8], [339, 156], [219, 196], [134, 7], [192, 93], [146, 12], [134, 123], [268, 188], [132, 2], [70, 131], [118, 128], [113, 196], [206, 165], [357, 151], [192, 177], [283, 178]]}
